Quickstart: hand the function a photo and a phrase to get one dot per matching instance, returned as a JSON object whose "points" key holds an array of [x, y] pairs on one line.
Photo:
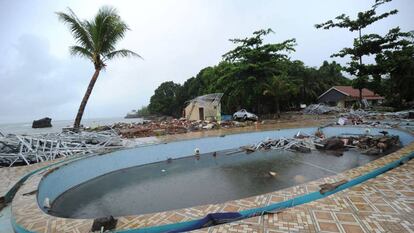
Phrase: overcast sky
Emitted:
{"points": [[177, 38]]}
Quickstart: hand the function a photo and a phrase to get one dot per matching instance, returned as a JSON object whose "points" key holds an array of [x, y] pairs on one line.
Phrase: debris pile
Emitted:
{"points": [[366, 144], [21, 149], [304, 143], [158, 128], [319, 109], [301, 143], [374, 119]]}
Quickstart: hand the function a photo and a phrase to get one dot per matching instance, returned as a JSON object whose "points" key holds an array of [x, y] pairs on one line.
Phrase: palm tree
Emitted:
{"points": [[279, 88], [96, 40]]}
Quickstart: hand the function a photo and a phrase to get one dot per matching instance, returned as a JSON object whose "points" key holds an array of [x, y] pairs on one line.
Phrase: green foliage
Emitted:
{"points": [[362, 20], [391, 75], [397, 65], [281, 89], [245, 74], [143, 111], [96, 38], [164, 101]]}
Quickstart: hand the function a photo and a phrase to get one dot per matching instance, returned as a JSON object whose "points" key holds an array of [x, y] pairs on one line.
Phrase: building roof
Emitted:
{"points": [[213, 98], [354, 93]]}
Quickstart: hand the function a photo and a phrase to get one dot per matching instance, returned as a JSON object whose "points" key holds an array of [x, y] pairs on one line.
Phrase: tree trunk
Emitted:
{"points": [[85, 99], [360, 41], [277, 108], [360, 99]]}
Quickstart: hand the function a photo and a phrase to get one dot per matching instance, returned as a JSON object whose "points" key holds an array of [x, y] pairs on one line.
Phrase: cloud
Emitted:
{"points": [[37, 82], [177, 38]]}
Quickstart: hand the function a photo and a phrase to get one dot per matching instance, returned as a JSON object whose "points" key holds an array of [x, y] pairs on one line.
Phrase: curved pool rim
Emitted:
{"points": [[78, 172], [20, 228]]}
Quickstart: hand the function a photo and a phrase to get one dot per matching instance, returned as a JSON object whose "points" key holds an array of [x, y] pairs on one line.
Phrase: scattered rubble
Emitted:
{"points": [[366, 144], [300, 143], [304, 143], [21, 149], [159, 128], [320, 109]]}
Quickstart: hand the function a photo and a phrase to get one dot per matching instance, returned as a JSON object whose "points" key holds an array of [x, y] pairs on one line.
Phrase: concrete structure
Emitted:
{"points": [[382, 204], [347, 96], [206, 107]]}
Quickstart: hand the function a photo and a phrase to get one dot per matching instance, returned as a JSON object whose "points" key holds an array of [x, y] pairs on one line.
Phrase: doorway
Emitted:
{"points": [[201, 113]]}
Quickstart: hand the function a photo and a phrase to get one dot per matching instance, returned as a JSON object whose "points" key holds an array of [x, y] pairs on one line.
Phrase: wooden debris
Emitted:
{"points": [[330, 186]]}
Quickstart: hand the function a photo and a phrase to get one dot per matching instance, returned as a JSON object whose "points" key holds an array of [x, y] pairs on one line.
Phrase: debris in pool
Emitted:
{"points": [[107, 223], [46, 203], [319, 134], [272, 173], [214, 154], [196, 151], [163, 170], [384, 132]]}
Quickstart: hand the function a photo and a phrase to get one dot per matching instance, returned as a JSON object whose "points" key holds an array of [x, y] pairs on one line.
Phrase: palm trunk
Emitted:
{"points": [[85, 99], [277, 108]]}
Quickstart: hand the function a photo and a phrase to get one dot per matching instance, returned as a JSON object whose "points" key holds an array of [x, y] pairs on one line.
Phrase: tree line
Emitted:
{"points": [[262, 77]]}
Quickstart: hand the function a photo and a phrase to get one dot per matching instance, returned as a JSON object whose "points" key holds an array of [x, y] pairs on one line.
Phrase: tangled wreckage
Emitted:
{"points": [[24, 150], [305, 143]]}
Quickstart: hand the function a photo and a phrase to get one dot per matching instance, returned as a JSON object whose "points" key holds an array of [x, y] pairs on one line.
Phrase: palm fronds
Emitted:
{"points": [[96, 39]]}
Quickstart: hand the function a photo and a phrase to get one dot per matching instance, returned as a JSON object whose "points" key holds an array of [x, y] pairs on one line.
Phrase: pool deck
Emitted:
{"points": [[382, 204]]}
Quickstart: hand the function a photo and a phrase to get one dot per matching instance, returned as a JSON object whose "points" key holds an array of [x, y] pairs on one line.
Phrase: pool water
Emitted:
{"points": [[189, 181]]}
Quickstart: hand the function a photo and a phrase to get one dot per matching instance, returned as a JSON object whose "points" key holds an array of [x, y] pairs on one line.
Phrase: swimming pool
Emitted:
{"points": [[141, 181]]}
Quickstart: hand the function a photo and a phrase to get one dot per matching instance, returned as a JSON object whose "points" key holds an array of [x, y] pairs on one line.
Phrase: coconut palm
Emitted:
{"points": [[96, 40], [280, 89]]}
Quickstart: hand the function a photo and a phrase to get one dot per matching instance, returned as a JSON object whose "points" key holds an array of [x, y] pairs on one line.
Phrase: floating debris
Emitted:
{"points": [[271, 173], [196, 151]]}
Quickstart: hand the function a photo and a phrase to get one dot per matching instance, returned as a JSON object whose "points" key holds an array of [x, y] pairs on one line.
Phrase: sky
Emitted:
{"points": [[176, 38]]}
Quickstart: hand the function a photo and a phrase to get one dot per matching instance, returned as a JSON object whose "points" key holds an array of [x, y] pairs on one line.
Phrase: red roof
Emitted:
{"points": [[352, 92]]}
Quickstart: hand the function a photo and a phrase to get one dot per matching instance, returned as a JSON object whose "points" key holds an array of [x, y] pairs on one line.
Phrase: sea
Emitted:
{"points": [[26, 127]]}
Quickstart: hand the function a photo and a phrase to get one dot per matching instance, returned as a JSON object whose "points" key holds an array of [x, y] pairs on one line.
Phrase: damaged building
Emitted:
{"points": [[206, 107]]}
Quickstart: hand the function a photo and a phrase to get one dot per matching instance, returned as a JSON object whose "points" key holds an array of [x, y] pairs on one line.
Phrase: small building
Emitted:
{"points": [[206, 107], [347, 96]]}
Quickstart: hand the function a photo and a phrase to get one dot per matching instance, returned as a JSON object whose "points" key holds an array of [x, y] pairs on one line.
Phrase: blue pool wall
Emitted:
{"points": [[80, 171]]}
